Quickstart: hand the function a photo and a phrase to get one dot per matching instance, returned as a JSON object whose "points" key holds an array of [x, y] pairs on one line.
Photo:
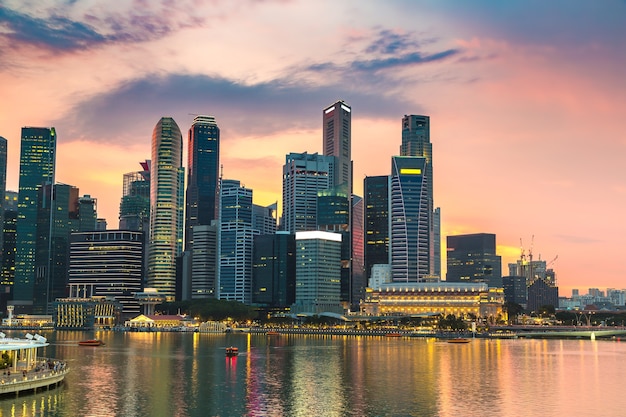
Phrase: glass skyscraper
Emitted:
{"points": [[37, 168], [472, 258], [409, 220], [166, 207], [57, 218], [236, 238], [376, 202], [416, 142], [203, 174]]}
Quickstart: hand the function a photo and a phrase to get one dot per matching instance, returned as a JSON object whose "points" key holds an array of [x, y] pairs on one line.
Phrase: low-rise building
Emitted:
{"points": [[459, 299]]}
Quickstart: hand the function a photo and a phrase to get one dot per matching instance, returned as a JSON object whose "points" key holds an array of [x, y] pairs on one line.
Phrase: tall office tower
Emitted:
{"points": [[357, 240], [304, 175], [203, 162], [416, 142], [87, 213], [472, 258], [135, 204], [274, 270], [204, 257], [333, 215], [264, 218], [107, 264], [437, 242], [236, 237], [57, 217], [409, 220], [37, 162], [318, 268], [3, 184], [337, 142], [376, 222], [166, 207], [9, 233]]}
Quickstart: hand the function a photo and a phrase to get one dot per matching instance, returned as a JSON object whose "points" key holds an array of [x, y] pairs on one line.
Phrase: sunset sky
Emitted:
{"points": [[527, 102]]}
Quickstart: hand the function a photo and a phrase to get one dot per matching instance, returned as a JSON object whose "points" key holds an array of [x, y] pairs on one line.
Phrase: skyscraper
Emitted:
{"points": [[57, 218], [37, 168], [236, 237], [416, 142], [166, 207], [135, 204], [3, 184], [409, 220], [376, 220], [274, 270], [304, 175], [337, 142], [203, 174], [472, 258]]}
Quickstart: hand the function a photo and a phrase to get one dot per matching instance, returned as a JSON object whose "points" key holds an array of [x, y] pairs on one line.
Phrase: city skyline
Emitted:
{"points": [[524, 100]]}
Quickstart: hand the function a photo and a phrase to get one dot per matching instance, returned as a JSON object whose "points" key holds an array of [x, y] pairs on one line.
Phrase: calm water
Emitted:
{"points": [[177, 374]]}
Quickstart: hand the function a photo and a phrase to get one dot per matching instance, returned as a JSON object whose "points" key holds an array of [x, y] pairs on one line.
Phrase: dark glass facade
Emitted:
{"points": [[274, 270], [37, 164], [135, 204], [203, 174], [57, 218], [376, 221], [472, 258]]}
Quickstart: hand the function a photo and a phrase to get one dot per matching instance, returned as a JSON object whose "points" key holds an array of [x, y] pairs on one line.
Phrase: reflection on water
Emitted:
{"points": [[189, 375]]}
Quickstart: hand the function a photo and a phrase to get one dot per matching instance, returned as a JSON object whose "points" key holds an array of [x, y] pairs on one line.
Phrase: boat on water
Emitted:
{"points": [[272, 333], [458, 340], [91, 342], [393, 335], [26, 371], [232, 351]]}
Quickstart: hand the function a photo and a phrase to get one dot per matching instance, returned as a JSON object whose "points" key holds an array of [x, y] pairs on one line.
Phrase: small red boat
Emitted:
{"points": [[232, 351], [393, 335], [91, 342]]}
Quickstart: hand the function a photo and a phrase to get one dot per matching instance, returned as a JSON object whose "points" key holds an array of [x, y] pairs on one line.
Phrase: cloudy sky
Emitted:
{"points": [[527, 101]]}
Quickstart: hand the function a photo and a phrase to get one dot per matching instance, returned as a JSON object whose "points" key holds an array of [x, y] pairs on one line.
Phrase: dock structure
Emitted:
{"points": [[23, 369]]}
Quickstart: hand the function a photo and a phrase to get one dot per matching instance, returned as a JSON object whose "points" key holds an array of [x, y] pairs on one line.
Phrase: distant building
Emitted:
{"points": [[318, 272], [236, 237], [135, 203], [381, 275], [88, 213], [358, 281], [304, 176], [458, 299], [203, 163], [264, 218], [204, 256], [515, 290], [107, 264], [166, 207], [37, 168], [410, 220], [274, 270], [542, 292], [337, 138], [57, 218], [376, 222], [472, 258]]}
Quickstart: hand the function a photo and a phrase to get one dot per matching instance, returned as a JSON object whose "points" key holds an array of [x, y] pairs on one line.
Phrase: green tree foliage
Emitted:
{"points": [[452, 322], [210, 309]]}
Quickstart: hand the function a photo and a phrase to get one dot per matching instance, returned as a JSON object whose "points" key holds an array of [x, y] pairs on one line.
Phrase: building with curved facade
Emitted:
{"points": [[166, 207]]}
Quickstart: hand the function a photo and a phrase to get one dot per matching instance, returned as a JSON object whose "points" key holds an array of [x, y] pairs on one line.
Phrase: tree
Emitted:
{"points": [[513, 310]]}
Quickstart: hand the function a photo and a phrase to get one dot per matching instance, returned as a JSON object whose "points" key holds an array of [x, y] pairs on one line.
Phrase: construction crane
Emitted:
{"points": [[552, 261]]}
